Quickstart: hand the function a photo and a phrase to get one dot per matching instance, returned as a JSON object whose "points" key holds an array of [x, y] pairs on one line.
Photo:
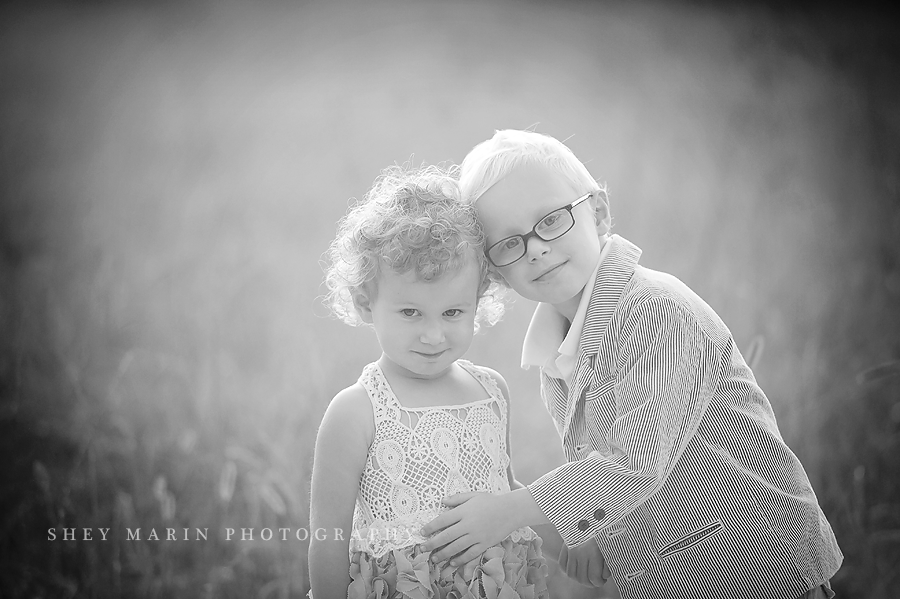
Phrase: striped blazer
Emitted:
{"points": [[675, 462]]}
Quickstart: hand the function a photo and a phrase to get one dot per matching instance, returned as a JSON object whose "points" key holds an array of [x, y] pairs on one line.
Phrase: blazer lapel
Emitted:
{"points": [[614, 273]]}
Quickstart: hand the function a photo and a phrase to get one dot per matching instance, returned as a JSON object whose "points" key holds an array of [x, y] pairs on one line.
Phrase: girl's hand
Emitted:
{"points": [[585, 563]]}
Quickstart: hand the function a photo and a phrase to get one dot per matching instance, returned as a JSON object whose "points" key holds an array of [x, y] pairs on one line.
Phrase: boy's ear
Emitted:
{"points": [[599, 201], [502, 280], [363, 306]]}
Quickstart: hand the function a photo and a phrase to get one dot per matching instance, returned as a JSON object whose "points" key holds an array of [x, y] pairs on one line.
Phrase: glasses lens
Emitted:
{"points": [[507, 251], [556, 224]]}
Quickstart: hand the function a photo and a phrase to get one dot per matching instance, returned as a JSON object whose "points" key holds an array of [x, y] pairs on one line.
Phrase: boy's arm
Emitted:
{"points": [[342, 444], [667, 376], [668, 371]]}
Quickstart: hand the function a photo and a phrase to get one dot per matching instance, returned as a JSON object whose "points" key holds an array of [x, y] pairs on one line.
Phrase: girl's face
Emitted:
{"points": [[424, 326]]}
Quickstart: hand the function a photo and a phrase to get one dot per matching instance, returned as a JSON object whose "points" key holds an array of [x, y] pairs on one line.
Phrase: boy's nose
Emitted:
{"points": [[536, 247]]}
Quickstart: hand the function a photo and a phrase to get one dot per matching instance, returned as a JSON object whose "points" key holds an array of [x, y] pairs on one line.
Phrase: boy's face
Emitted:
{"points": [[424, 326], [550, 271]]}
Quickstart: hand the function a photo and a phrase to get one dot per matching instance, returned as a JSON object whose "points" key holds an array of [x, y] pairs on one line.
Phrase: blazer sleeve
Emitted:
{"points": [[666, 374]]}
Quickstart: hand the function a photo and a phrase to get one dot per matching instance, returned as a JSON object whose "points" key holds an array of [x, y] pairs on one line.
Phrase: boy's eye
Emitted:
{"points": [[410, 312], [453, 312], [512, 243], [550, 220]]}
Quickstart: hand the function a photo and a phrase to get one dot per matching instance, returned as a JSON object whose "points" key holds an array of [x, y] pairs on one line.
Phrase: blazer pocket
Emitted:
{"points": [[691, 539], [599, 388]]}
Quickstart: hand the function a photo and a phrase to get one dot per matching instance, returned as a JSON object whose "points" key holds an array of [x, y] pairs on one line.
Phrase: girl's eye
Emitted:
{"points": [[409, 312], [453, 312]]}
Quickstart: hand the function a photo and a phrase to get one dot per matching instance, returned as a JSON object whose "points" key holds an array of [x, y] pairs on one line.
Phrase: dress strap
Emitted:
{"points": [[384, 402], [480, 374]]}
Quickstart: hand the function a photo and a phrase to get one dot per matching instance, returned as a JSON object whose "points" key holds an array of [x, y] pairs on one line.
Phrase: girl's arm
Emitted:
{"points": [[504, 389], [342, 444], [552, 541]]}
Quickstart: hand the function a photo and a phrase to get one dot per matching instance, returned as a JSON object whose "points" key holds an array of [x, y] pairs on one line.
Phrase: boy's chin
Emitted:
{"points": [[558, 294]]}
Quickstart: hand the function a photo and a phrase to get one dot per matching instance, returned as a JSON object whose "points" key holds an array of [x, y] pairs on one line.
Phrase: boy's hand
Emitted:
{"points": [[476, 522], [585, 563]]}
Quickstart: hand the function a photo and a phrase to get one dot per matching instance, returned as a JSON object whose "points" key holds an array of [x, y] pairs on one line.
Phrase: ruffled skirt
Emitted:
{"points": [[514, 568]]}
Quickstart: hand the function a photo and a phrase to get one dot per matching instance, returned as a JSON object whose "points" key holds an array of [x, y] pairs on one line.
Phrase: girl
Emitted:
{"points": [[421, 423]]}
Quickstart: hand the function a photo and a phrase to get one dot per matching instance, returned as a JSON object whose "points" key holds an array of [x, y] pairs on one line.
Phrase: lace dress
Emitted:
{"points": [[418, 457]]}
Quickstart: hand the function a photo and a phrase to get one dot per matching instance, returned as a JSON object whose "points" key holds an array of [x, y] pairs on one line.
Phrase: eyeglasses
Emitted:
{"points": [[551, 226]]}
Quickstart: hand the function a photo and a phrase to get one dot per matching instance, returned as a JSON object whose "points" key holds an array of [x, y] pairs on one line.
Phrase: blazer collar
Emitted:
{"points": [[612, 276], [614, 273]]}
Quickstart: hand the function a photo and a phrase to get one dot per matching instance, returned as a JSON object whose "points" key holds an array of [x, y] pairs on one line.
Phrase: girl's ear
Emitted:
{"points": [[363, 306], [599, 201]]}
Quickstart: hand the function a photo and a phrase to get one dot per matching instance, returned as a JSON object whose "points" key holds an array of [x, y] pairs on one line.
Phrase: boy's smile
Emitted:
{"points": [[550, 271]]}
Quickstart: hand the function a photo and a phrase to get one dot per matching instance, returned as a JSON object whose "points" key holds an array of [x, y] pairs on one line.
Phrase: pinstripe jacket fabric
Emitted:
{"points": [[675, 462]]}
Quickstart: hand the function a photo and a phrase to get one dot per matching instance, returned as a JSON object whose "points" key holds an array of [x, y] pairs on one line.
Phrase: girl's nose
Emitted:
{"points": [[433, 334]]}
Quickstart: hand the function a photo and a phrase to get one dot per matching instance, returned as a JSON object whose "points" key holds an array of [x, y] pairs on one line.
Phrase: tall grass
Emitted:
{"points": [[171, 176]]}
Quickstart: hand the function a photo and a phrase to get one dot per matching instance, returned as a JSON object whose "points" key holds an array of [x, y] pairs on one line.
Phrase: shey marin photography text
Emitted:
{"points": [[226, 533]]}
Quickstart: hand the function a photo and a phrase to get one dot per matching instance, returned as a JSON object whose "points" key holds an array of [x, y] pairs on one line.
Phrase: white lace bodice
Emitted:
{"points": [[421, 455]]}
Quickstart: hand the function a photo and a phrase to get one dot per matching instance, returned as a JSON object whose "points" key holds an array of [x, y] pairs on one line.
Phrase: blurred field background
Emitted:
{"points": [[171, 173]]}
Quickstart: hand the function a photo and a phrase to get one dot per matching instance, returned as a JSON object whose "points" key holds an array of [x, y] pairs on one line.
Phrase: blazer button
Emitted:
{"points": [[583, 525], [599, 514]]}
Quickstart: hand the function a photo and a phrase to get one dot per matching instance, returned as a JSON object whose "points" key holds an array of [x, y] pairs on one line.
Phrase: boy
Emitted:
{"points": [[676, 468]]}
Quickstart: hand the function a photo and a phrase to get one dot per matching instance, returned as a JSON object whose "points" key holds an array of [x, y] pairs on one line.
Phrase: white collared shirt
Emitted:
{"points": [[550, 342]]}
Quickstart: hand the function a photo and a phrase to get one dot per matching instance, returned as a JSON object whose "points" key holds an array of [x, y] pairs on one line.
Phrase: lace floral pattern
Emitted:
{"points": [[418, 457], [421, 455]]}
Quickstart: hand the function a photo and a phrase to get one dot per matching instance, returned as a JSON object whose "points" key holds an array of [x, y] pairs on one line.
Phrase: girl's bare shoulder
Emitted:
{"points": [[501, 382], [350, 412]]}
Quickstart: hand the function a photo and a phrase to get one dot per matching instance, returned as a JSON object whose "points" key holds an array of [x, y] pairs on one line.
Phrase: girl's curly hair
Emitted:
{"points": [[411, 219]]}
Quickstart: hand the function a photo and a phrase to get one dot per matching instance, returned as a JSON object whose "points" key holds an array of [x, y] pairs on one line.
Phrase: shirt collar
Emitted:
{"points": [[549, 334]]}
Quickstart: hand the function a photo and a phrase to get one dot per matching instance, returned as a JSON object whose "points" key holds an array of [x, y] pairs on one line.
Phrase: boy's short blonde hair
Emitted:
{"points": [[411, 219], [493, 159]]}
